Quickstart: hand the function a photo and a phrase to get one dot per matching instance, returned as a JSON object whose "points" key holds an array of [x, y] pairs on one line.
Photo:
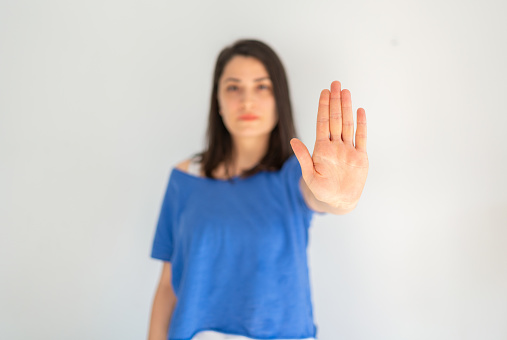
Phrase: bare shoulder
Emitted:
{"points": [[183, 166], [191, 166]]}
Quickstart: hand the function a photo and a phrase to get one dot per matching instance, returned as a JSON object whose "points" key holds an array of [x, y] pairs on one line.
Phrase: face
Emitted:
{"points": [[245, 98]]}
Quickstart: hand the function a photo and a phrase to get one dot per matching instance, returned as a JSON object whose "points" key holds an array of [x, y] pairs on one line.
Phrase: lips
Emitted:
{"points": [[248, 116]]}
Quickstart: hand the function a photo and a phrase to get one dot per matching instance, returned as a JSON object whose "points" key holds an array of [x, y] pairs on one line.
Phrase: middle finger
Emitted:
{"points": [[335, 111]]}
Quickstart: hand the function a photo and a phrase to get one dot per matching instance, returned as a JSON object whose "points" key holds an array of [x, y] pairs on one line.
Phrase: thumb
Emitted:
{"points": [[304, 158]]}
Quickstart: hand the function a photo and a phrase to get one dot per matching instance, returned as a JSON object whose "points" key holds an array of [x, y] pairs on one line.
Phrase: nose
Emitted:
{"points": [[248, 99]]}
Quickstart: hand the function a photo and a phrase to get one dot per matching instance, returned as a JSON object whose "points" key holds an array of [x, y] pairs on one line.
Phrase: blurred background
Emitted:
{"points": [[100, 99]]}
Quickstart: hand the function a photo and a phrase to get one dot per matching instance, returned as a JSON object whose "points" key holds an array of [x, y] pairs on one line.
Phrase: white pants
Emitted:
{"points": [[212, 335]]}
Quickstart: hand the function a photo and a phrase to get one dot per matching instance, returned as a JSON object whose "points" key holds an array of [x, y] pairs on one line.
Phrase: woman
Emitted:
{"points": [[233, 226]]}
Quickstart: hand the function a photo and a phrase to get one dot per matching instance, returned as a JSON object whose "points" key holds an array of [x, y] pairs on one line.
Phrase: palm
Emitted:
{"points": [[337, 170]]}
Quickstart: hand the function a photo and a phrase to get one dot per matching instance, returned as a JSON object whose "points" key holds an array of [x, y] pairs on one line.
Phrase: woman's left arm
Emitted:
{"points": [[333, 177]]}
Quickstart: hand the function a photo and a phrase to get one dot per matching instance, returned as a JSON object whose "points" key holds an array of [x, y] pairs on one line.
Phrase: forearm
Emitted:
{"points": [[163, 306]]}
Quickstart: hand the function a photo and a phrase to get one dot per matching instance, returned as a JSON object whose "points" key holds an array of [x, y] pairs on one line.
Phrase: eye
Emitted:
{"points": [[232, 88], [263, 87]]}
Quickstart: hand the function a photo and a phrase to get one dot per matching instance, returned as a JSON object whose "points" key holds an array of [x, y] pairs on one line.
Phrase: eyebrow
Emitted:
{"points": [[236, 79]]}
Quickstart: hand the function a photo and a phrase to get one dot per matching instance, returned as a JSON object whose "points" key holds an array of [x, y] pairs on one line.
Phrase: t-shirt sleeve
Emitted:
{"points": [[292, 171], [162, 247]]}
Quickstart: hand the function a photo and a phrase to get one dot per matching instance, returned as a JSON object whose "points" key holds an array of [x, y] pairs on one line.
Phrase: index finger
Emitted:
{"points": [[323, 116]]}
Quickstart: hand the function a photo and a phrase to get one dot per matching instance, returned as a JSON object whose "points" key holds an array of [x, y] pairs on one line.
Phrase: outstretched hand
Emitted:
{"points": [[337, 171]]}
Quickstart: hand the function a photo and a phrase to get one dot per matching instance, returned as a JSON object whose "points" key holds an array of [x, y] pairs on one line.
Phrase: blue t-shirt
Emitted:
{"points": [[238, 254]]}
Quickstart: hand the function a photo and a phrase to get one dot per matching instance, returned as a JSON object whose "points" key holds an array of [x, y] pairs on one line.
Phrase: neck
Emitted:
{"points": [[248, 151]]}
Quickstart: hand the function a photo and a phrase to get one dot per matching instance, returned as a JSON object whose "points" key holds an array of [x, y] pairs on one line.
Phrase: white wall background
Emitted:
{"points": [[100, 99]]}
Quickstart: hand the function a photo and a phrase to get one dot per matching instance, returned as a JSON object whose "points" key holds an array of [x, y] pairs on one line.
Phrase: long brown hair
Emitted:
{"points": [[219, 142]]}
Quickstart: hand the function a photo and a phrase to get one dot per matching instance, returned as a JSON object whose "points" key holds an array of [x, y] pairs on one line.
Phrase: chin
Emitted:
{"points": [[251, 131]]}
